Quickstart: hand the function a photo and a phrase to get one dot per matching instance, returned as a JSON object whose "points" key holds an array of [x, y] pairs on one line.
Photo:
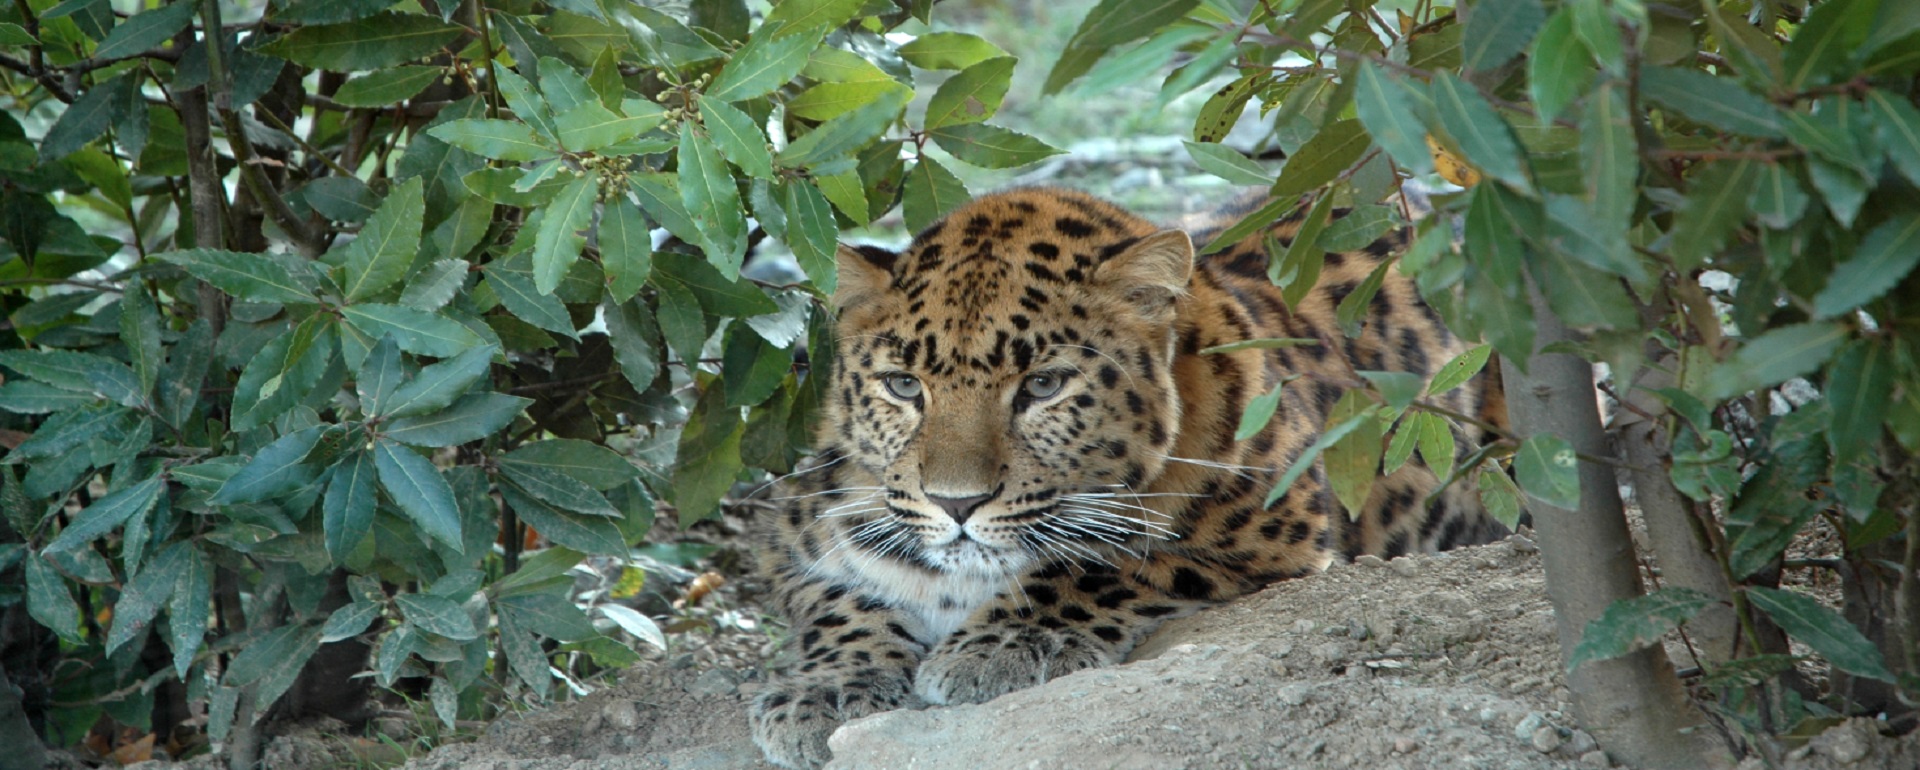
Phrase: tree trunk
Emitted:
{"points": [[1634, 706]]}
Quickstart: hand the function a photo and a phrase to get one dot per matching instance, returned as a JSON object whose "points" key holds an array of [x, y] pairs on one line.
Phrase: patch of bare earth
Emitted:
{"points": [[1443, 661]]}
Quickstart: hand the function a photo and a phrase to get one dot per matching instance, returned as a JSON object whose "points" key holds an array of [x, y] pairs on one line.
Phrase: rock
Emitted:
{"points": [[1580, 742], [1595, 759], [715, 681], [620, 714], [1546, 739], [1405, 745], [1521, 544], [1369, 560], [1404, 566], [1846, 743], [1528, 724]]}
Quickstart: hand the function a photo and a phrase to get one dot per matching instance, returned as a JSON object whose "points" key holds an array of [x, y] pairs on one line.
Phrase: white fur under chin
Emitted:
{"points": [[970, 575]]}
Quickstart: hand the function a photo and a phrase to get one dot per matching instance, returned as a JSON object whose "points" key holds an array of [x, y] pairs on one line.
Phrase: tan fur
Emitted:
{"points": [[983, 533]]}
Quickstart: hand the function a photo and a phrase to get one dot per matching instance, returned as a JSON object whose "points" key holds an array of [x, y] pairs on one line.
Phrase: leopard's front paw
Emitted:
{"points": [[792, 719], [980, 667]]}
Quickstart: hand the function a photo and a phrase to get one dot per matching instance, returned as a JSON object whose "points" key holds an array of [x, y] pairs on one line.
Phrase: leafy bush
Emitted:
{"points": [[1718, 198], [320, 310]]}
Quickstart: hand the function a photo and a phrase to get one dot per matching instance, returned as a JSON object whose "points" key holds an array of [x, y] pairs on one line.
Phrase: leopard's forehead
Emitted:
{"points": [[1010, 255]]}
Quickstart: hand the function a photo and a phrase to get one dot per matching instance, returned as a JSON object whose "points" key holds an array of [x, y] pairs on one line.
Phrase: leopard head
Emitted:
{"points": [[1005, 384]]}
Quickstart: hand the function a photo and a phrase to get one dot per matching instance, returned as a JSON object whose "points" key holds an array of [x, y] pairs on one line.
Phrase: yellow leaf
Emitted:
{"points": [[1451, 166]]}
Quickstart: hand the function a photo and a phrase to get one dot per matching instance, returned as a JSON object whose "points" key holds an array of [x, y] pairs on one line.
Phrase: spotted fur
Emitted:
{"points": [[1025, 463]]}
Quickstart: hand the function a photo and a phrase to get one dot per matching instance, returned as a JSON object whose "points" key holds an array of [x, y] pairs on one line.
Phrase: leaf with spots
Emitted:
{"points": [[1335, 432], [1631, 624], [973, 95], [1499, 496]]}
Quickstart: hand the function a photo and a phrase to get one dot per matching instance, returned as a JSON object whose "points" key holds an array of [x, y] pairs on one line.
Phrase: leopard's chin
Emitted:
{"points": [[965, 556]]}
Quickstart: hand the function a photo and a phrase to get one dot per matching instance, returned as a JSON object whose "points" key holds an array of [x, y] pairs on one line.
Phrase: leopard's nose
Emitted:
{"points": [[959, 508]]}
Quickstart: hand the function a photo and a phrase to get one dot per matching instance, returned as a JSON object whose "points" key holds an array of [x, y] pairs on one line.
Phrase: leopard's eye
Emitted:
{"points": [[1043, 385], [905, 387]]}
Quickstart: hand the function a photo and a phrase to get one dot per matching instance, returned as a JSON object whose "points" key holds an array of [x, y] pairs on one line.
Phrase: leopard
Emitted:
{"points": [[1026, 456]]}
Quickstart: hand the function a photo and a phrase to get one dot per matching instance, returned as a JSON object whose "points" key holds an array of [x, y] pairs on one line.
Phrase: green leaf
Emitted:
{"points": [[971, 96], [1884, 257], [1632, 624], [712, 434], [560, 239], [286, 647], [49, 601], [65, 369], [145, 30], [474, 417], [275, 470], [348, 508], [1218, 114], [995, 147], [1777, 199], [384, 252], [512, 282], [1391, 112], [1500, 497], [1549, 471], [1400, 447], [1352, 311], [840, 136], [590, 127], [143, 594], [1594, 24], [419, 490], [341, 198], [1227, 163], [599, 467], [751, 368], [106, 513], [1582, 296], [1859, 387], [948, 51], [1824, 45], [793, 16], [1774, 357], [635, 340], [24, 397], [1718, 102], [1332, 435], [14, 34], [1827, 632], [1436, 444], [140, 332], [1498, 30], [1114, 22], [626, 248], [1716, 206], [763, 64], [1560, 69], [83, 121], [417, 331], [829, 100], [1483, 137], [1322, 158], [682, 323], [349, 621], [1250, 224], [1609, 158], [438, 385], [1505, 321], [1354, 461], [565, 90], [588, 534], [527, 103], [387, 87], [1259, 412], [436, 615], [929, 192], [188, 610], [713, 201], [252, 277], [737, 138], [375, 42], [1898, 126], [812, 233], [497, 139], [559, 489]]}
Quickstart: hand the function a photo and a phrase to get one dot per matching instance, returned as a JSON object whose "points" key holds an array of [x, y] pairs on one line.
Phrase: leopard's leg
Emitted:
{"points": [[856, 657], [1068, 616]]}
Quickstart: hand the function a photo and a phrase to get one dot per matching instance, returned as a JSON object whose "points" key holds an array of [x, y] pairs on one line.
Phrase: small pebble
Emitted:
{"points": [[1580, 742], [1522, 544], [1546, 739], [1595, 759], [1404, 567], [1405, 745], [1369, 560]]}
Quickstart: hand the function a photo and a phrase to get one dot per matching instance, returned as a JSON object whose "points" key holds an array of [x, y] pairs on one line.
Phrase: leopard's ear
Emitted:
{"points": [[866, 272], [1152, 272]]}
